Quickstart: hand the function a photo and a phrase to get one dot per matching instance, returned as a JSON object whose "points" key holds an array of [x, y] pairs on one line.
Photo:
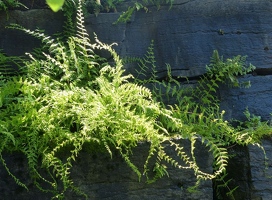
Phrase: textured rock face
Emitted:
{"points": [[112, 179], [101, 177], [261, 171], [238, 174], [14, 42], [257, 98], [185, 37]]}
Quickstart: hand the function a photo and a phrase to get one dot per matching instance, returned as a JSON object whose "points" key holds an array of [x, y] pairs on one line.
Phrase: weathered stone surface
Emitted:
{"points": [[9, 190], [112, 179], [257, 98], [238, 175], [14, 42], [261, 171], [101, 177], [186, 35]]}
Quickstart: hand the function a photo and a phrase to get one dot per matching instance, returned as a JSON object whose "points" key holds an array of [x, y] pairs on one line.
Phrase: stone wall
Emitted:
{"points": [[261, 171], [184, 37], [101, 177]]}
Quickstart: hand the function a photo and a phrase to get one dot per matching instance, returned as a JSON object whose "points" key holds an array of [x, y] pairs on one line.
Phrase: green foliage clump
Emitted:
{"points": [[142, 5], [254, 126], [9, 65], [198, 106], [8, 4], [68, 96], [101, 6]]}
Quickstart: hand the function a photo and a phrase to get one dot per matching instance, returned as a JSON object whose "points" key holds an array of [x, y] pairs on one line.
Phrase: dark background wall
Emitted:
{"points": [[185, 37]]}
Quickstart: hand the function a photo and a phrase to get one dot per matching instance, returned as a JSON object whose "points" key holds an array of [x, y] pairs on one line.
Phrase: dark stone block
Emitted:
{"points": [[257, 98], [101, 177], [261, 170], [186, 35], [17, 43], [238, 176]]}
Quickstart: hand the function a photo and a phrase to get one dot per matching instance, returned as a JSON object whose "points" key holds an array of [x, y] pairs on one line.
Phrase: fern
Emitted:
{"points": [[126, 16], [142, 5], [198, 109], [12, 175], [9, 65], [221, 184], [68, 97]]}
